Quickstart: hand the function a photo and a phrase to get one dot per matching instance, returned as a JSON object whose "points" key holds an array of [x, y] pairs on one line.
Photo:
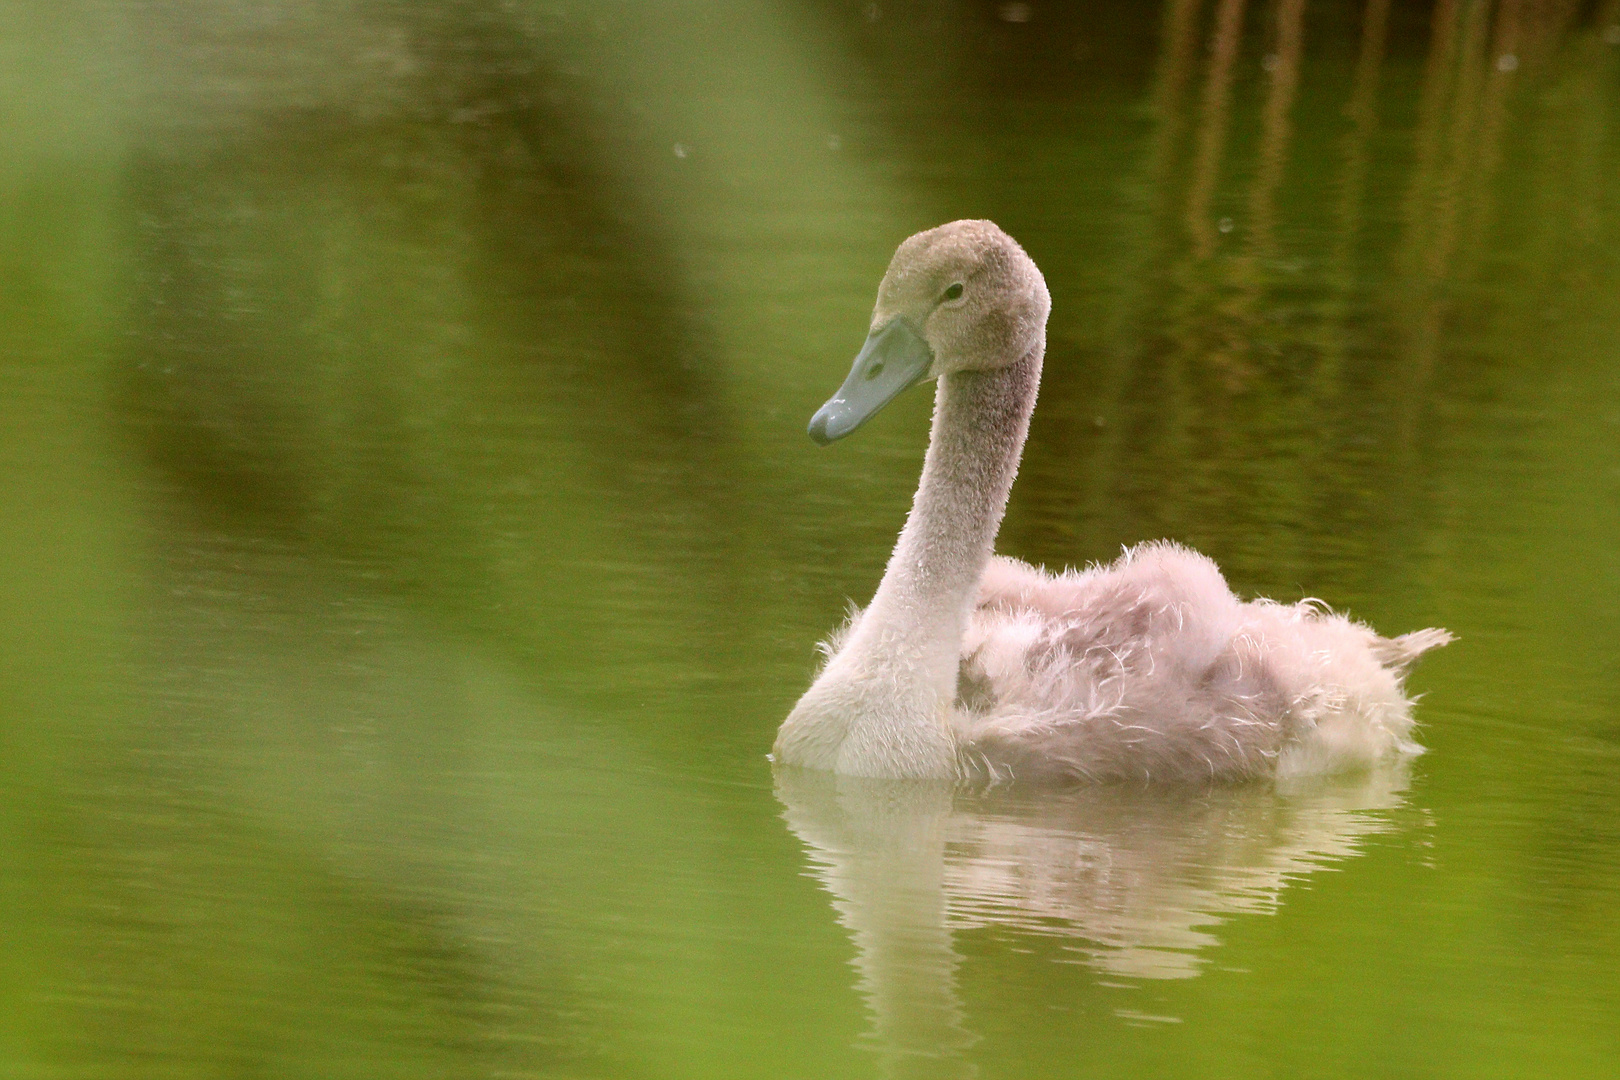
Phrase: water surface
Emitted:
{"points": [[411, 542]]}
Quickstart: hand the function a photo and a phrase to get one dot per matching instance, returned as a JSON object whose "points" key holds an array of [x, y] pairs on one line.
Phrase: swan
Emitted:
{"points": [[966, 664]]}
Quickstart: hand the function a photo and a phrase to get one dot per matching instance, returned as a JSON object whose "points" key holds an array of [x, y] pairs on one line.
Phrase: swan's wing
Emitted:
{"points": [[1112, 671], [1151, 666], [1010, 583], [1158, 600]]}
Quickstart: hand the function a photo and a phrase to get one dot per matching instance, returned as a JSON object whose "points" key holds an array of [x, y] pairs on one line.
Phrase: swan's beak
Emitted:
{"points": [[894, 357]]}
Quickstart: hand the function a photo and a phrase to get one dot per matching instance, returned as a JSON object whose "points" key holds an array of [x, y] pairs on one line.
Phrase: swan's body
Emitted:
{"points": [[966, 663]]}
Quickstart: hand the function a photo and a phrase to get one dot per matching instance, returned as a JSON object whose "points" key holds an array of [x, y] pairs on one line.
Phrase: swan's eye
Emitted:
{"points": [[954, 292]]}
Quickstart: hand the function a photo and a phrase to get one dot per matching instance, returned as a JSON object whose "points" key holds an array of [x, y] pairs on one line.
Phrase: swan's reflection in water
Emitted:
{"points": [[1137, 877]]}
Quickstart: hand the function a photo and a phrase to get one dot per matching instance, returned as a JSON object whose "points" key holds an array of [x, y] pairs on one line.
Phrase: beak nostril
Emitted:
{"points": [[874, 371]]}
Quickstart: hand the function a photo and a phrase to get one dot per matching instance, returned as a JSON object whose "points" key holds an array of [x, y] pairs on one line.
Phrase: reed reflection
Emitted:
{"points": [[1276, 126], [1136, 879], [1211, 135], [1291, 319]]}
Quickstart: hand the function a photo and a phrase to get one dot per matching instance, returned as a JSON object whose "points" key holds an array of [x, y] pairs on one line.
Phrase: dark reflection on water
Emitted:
{"points": [[411, 541]]}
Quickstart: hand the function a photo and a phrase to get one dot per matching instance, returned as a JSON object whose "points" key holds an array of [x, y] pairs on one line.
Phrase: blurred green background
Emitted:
{"points": [[409, 542]]}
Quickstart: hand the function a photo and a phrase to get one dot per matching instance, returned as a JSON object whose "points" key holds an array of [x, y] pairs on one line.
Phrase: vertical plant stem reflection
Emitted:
{"points": [[1206, 166], [1446, 165], [1172, 72], [1275, 127], [1362, 109]]}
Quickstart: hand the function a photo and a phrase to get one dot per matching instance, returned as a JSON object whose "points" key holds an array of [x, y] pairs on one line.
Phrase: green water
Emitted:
{"points": [[410, 541]]}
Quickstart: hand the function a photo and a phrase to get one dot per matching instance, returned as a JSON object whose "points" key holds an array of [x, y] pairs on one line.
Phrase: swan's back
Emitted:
{"points": [[1151, 668]]}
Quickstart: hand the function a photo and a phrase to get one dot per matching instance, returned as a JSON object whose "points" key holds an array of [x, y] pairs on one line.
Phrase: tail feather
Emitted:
{"points": [[1399, 653]]}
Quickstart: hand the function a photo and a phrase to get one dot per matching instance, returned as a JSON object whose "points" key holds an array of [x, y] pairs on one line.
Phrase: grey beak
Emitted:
{"points": [[894, 357]]}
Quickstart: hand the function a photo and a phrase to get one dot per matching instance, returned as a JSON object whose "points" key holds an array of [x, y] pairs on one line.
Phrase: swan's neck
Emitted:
{"points": [[882, 705], [921, 607]]}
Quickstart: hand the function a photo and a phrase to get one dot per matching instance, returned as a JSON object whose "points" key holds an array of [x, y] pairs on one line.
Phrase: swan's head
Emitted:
{"points": [[960, 297]]}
